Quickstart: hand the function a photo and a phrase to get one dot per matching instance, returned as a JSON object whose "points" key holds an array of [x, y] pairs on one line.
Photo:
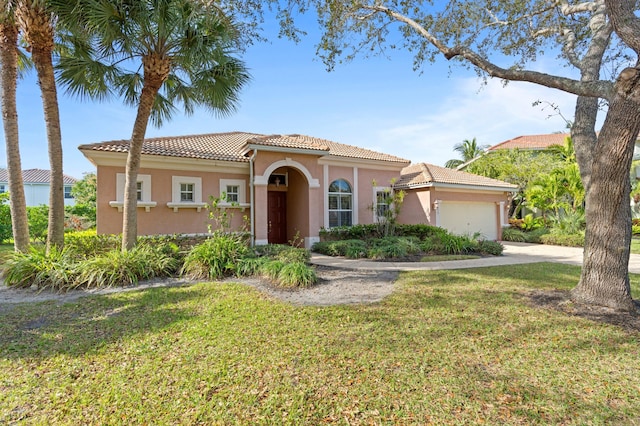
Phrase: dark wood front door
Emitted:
{"points": [[277, 217]]}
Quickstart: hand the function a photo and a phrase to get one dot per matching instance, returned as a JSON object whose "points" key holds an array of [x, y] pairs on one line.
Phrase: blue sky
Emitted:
{"points": [[377, 103]]}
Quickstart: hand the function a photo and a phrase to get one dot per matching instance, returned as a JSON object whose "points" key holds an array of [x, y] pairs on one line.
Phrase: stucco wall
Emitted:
{"points": [[366, 179], [162, 219]]}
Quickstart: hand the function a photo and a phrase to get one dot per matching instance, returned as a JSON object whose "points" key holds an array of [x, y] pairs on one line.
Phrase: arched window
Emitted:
{"points": [[340, 204]]}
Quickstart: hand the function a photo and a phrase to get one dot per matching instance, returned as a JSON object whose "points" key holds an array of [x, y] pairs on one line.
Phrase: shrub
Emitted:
{"points": [[296, 274], [119, 268], [355, 249], [348, 248], [53, 270], [454, 244], [38, 217], [570, 240], [6, 228], [534, 236], [513, 234], [216, 257], [530, 223], [88, 243], [490, 247], [386, 248], [635, 229], [271, 269], [421, 231], [248, 266]]}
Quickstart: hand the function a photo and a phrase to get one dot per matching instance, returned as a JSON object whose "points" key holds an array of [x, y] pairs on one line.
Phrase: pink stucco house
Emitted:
{"points": [[283, 186]]}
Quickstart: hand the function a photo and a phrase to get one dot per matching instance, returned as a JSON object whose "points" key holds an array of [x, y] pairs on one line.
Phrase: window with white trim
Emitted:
{"points": [[234, 191], [143, 192], [3, 189], [67, 192], [143, 187], [340, 204], [186, 192], [382, 202]]}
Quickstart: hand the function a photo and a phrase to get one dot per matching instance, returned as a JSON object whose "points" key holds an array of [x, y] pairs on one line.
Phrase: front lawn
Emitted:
{"points": [[448, 347]]}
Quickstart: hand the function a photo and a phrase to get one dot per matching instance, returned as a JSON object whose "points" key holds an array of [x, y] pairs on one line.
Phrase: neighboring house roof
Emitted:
{"points": [[232, 146], [532, 142], [424, 175], [36, 176]]}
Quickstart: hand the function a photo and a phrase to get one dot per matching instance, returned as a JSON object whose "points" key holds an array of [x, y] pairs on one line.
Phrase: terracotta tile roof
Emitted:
{"points": [[214, 146], [532, 142], [36, 176], [423, 174], [290, 141], [231, 146]]}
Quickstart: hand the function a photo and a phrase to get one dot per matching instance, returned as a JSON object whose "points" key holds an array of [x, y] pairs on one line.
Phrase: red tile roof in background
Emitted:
{"points": [[532, 142]]}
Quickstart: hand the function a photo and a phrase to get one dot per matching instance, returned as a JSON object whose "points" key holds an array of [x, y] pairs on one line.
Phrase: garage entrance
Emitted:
{"points": [[467, 218]]}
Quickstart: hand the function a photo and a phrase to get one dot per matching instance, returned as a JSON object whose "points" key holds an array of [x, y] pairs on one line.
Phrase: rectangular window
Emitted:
{"points": [[67, 192], [143, 188], [383, 199], [186, 192], [232, 193], [382, 202], [340, 210], [3, 189]]}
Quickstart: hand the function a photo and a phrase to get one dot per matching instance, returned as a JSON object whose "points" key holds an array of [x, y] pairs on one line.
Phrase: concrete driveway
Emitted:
{"points": [[514, 254]]}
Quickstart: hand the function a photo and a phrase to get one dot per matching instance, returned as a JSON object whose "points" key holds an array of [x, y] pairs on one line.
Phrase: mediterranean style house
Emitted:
{"points": [[37, 184], [284, 187]]}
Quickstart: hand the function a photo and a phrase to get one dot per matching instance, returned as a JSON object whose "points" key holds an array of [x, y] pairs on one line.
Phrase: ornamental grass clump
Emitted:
{"points": [[55, 270], [296, 274], [215, 258]]}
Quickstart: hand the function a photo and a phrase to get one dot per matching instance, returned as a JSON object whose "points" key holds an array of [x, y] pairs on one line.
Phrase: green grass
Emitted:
{"points": [[635, 245], [448, 347]]}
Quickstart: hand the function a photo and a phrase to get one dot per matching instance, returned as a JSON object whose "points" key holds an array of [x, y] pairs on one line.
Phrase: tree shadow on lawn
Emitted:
{"points": [[83, 326], [543, 286]]}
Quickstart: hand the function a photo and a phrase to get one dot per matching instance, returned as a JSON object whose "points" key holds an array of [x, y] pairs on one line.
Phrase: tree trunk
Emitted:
{"points": [[46, 79], [605, 271], [156, 71], [130, 214], [38, 32], [9, 64]]}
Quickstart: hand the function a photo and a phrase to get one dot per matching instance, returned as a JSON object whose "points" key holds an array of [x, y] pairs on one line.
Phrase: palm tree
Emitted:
{"points": [[35, 19], [566, 152], [183, 49], [468, 150], [9, 65]]}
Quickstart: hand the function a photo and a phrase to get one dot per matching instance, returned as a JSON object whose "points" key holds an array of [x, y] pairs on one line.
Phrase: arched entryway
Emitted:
{"points": [[287, 206]]}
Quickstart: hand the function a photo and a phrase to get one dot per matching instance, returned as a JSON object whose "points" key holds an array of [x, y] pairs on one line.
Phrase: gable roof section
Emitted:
{"points": [[532, 142], [232, 146], [36, 176], [423, 175]]}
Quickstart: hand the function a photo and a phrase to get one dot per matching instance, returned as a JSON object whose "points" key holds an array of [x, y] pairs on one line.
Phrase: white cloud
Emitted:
{"points": [[490, 113]]}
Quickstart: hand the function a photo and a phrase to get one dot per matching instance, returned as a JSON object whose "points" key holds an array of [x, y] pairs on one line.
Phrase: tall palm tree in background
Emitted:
{"points": [[36, 20], [8, 80], [156, 53], [468, 150]]}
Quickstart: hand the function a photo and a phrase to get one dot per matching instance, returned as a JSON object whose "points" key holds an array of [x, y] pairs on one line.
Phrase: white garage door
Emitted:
{"points": [[468, 218]]}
